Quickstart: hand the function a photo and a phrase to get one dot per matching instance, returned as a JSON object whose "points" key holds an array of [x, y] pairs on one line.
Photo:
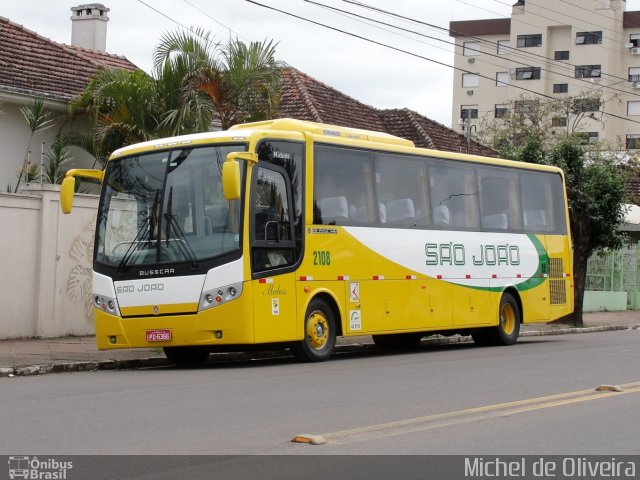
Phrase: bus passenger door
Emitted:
{"points": [[272, 254]]}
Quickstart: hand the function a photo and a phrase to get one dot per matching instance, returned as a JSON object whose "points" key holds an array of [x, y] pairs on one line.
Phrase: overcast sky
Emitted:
{"points": [[372, 74]]}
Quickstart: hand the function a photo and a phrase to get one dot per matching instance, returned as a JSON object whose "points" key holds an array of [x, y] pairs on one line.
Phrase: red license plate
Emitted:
{"points": [[158, 335]]}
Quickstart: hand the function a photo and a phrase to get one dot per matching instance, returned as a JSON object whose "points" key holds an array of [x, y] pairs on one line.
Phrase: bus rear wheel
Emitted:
{"points": [[185, 357], [398, 341], [319, 333], [508, 329]]}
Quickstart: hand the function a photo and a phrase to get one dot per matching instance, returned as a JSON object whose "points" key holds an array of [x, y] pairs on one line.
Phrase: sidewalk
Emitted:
{"points": [[48, 355]]}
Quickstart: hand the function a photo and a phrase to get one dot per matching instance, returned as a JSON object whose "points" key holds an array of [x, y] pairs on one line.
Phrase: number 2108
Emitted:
{"points": [[321, 258]]}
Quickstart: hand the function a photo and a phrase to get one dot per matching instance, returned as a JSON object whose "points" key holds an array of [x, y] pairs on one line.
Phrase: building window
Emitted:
{"points": [[470, 80], [588, 71], [502, 79], [529, 41], [634, 74], [528, 73], [560, 87], [586, 105], [588, 38], [468, 111], [501, 111], [561, 55], [471, 49], [587, 137], [633, 142], [633, 107], [634, 39], [559, 122], [503, 47]]}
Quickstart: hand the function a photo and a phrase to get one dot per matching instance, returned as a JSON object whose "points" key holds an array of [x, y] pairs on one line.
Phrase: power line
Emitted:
{"points": [[212, 18], [413, 54], [328, 7], [518, 52]]}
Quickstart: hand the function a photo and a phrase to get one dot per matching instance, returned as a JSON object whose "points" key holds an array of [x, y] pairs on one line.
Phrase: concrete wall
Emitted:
{"points": [[604, 301], [45, 288]]}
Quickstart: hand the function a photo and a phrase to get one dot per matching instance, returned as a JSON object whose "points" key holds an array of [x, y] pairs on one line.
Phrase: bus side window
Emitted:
{"points": [[454, 187], [272, 244], [537, 202]]}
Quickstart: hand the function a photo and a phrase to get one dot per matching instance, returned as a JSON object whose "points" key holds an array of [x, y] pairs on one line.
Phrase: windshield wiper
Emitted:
{"points": [[144, 234], [182, 244]]}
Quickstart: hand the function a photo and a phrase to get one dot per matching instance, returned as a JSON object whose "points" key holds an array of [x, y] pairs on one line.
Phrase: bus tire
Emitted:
{"points": [[185, 357], [319, 333], [398, 341], [508, 329]]}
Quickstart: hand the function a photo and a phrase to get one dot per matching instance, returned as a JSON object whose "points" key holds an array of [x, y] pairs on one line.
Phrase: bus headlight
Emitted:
{"points": [[218, 296], [106, 304]]}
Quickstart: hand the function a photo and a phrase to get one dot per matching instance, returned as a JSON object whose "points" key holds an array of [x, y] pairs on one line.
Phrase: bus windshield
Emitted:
{"points": [[167, 207]]}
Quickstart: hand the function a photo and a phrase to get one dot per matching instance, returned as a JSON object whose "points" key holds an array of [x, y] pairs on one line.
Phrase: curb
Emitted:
{"points": [[161, 361]]}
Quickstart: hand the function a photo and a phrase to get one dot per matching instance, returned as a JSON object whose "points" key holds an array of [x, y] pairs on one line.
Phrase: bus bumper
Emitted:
{"points": [[227, 324]]}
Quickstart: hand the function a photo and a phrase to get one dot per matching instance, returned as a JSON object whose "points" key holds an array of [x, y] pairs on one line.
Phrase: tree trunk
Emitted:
{"points": [[580, 260]]}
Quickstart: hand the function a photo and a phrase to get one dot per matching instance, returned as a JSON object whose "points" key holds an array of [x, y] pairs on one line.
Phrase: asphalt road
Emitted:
{"points": [[536, 397]]}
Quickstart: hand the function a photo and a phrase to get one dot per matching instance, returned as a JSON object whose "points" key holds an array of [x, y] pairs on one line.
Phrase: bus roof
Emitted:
{"points": [[324, 129]]}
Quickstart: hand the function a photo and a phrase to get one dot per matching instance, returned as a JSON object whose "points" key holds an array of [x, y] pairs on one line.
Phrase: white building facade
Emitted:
{"points": [[553, 49]]}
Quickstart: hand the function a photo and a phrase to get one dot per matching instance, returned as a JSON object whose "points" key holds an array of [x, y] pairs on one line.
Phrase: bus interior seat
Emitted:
{"points": [[401, 211], [216, 216], [440, 215], [382, 213], [333, 209], [535, 218], [498, 220]]}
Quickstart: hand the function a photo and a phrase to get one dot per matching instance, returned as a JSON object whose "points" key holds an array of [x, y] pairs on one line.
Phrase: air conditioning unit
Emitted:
{"points": [[461, 121], [471, 60], [635, 51], [635, 85], [469, 92], [628, 45]]}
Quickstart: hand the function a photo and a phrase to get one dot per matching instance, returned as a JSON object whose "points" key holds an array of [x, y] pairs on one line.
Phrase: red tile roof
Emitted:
{"points": [[37, 66], [305, 98]]}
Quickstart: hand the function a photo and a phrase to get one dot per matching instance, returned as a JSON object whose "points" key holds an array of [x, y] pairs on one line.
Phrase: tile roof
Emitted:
{"points": [[37, 66], [305, 98]]}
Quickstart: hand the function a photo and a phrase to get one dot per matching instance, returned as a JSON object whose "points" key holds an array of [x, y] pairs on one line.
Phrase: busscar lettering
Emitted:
{"points": [[157, 271]]}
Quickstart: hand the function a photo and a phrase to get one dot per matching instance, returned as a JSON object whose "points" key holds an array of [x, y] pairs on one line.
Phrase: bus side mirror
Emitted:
{"points": [[69, 185], [66, 194], [231, 179]]}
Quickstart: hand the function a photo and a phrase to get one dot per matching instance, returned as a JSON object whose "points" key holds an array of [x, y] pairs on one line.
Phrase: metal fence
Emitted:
{"points": [[616, 271]]}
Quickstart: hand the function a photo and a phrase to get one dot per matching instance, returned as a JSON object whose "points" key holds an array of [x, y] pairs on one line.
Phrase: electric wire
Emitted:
{"points": [[391, 47]]}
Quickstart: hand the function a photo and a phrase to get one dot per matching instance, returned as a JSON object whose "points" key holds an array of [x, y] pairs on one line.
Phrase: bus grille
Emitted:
{"points": [[557, 283]]}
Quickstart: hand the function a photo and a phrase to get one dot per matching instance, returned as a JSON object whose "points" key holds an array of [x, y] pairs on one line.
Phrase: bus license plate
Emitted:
{"points": [[158, 335]]}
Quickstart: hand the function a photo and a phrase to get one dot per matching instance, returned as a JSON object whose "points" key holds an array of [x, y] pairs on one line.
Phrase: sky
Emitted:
{"points": [[373, 74]]}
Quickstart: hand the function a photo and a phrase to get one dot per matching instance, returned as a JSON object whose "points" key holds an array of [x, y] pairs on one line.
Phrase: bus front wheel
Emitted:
{"points": [[508, 329], [319, 333], [185, 357]]}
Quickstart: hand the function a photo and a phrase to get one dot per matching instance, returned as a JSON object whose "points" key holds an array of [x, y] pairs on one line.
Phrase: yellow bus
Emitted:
{"points": [[287, 233]]}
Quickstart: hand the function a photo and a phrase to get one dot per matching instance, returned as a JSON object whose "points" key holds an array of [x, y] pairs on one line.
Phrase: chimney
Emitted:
{"points": [[89, 26]]}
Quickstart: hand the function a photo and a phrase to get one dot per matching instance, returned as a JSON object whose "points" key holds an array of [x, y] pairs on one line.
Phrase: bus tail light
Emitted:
{"points": [[218, 296]]}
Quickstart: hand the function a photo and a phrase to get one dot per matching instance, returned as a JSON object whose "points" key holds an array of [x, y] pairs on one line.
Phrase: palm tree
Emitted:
{"points": [[122, 106], [231, 83]]}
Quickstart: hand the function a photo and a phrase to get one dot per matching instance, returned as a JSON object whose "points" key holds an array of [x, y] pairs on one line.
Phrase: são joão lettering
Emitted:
{"points": [[484, 254]]}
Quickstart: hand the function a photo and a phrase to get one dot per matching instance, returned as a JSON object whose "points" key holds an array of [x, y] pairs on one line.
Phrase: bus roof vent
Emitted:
{"points": [[323, 129]]}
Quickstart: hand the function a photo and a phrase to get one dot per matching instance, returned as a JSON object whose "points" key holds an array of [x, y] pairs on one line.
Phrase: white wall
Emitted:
{"points": [[15, 133], [45, 287]]}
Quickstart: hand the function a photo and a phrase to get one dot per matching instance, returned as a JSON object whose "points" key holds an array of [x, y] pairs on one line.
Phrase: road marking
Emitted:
{"points": [[402, 427]]}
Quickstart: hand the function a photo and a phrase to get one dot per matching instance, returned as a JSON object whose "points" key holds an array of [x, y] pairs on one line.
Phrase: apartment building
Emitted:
{"points": [[553, 49]]}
